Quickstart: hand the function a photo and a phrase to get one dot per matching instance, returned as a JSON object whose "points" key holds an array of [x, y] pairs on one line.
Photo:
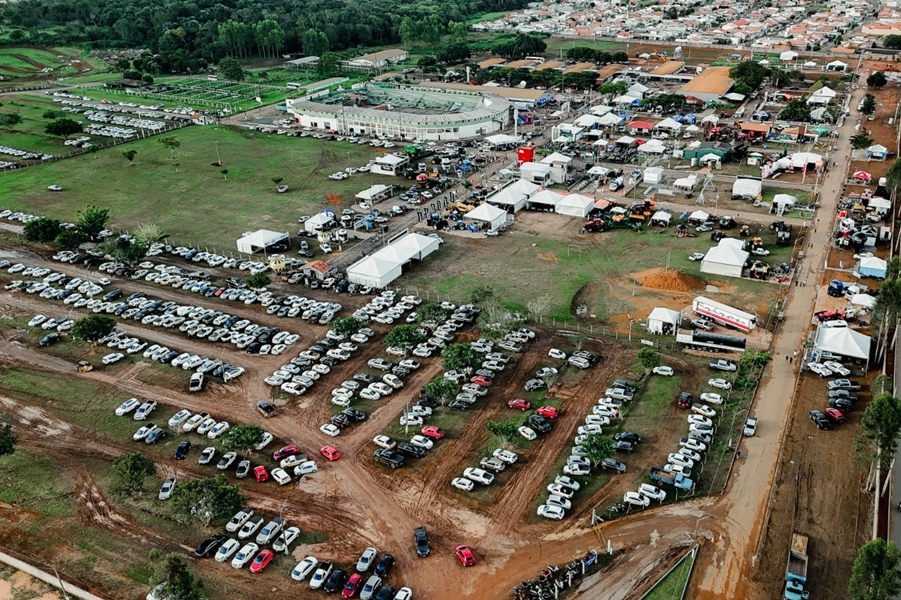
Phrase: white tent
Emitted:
{"points": [[663, 321], [692, 129], [865, 300], [600, 110], [699, 216], [724, 259], [575, 205], [824, 95], [668, 124], [609, 119], [535, 172], [785, 199], [373, 271], [819, 114], [487, 213], [879, 205], [600, 143], [810, 65], [373, 191], [747, 187], [523, 187], [836, 65], [710, 158], [556, 159], [877, 151], [843, 341], [546, 198], [415, 245], [711, 118], [686, 183], [662, 218], [652, 147], [512, 200], [597, 170], [626, 100], [653, 174], [587, 121], [872, 266], [638, 90], [501, 139], [625, 141], [799, 159], [260, 240], [788, 56], [319, 221]]}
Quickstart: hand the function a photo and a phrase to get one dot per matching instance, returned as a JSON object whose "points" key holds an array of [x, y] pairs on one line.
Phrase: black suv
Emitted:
{"points": [[384, 565], [209, 545], [335, 581], [610, 463], [820, 419], [410, 450], [421, 537], [842, 404], [538, 423], [354, 414], [623, 446], [182, 451], [627, 436]]}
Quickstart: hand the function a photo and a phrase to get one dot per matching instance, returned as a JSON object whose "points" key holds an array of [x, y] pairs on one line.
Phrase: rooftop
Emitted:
{"points": [[714, 80]]}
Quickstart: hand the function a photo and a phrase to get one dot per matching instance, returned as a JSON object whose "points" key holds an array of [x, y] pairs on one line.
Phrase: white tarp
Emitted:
{"points": [[625, 100], [879, 205], [260, 240], [663, 320], [487, 213], [865, 300], [609, 119], [710, 158], [546, 198], [724, 259], [748, 188], [597, 170], [575, 205], [522, 187], [843, 341]]}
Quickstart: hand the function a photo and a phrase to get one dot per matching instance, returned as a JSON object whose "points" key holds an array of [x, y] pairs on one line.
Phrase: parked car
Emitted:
{"points": [[551, 512], [820, 419], [466, 556], [750, 428], [663, 370]]}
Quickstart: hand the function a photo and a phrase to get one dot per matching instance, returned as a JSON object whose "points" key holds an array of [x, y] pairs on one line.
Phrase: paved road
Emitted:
{"points": [[744, 504]]}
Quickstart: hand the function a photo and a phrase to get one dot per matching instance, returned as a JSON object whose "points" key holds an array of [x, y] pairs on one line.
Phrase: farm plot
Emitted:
{"points": [[23, 62]]}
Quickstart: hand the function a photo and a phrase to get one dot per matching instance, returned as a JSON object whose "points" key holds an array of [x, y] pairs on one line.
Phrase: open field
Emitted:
{"points": [[152, 191], [29, 133], [19, 64]]}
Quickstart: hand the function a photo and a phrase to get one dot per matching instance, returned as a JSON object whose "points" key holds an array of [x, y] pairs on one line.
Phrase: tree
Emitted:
{"points": [[8, 440], [224, 174], [649, 358], [126, 251], [460, 357], [171, 143], [458, 31], [481, 294], [880, 429], [796, 110], [315, 43], [148, 233], [242, 438], [258, 280], [433, 312], [453, 53], [53, 114], [538, 306], [175, 580], [405, 336], [63, 127], [207, 499], [868, 107], [892, 41], [877, 79], [327, 65], [504, 432], [93, 327], [130, 156], [277, 180], [70, 240], [597, 447], [129, 472], [893, 178], [147, 79], [231, 69], [346, 326], [748, 76], [10, 120], [613, 89], [42, 230], [441, 389], [861, 141], [881, 385], [875, 574]]}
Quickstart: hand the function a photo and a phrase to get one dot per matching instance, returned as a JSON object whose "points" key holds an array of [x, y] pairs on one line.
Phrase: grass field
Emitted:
{"points": [[492, 16], [29, 134], [18, 62], [673, 584], [197, 204], [557, 44]]}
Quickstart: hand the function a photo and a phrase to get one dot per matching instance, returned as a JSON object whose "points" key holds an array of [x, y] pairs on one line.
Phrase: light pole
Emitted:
{"points": [[630, 328]]}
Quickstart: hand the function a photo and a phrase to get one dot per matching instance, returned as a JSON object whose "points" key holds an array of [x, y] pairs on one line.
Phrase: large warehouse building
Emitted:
{"points": [[408, 113]]}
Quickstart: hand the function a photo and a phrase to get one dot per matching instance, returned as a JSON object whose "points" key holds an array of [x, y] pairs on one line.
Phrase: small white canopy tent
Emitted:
{"points": [[836, 65], [865, 300], [652, 147], [373, 191], [710, 158], [824, 95], [501, 139], [610, 119], [661, 218], [692, 129], [843, 341], [546, 198], [626, 100], [513, 201], [711, 118], [259, 240], [698, 216], [725, 260], [319, 221], [872, 266], [785, 199], [788, 56], [373, 271], [597, 170], [663, 321], [600, 143], [686, 184], [810, 65], [877, 151], [668, 124], [575, 205], [879, 206], [487, 213], [600, 110], [587, 121]]}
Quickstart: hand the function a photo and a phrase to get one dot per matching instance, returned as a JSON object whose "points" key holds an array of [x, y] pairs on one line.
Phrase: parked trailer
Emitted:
{"points": [[723, 314], [796, 570], [711, 342], [674, 479]]}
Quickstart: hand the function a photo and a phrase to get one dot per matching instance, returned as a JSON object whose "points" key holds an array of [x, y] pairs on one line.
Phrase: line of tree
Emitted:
{"points": [[186, 37], [585, 54]]}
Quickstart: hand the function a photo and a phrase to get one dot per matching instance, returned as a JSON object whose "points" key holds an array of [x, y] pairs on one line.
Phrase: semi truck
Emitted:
{"points": [[796, 570], [723, 314], [677, 480], [711, 342]]}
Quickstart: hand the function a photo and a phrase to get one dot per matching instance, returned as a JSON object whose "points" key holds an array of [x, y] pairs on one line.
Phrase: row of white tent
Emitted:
{"points": [[522, 193], [384, 266]]}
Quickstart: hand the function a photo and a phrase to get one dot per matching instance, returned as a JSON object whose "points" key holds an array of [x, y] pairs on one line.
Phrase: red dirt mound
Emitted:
{"points": [[672, 280]]}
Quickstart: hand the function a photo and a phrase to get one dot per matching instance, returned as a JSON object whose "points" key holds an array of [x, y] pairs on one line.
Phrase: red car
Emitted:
{"points": [[466, 556], [330, 453], [548, 411], [834, 414], [260, 473], [481, 380], [433, 431], [520, 403], [353, 585], [285, 452], [220, 291], [260, 562]]}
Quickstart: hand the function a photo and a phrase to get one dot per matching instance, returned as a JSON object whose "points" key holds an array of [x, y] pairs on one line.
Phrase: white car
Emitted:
{"points": [[576, 469], [820, 369], [699, 420], [589, 429], [383, 441], [330, 430], [305, 468], [692, 444], [696, 256], [568, 482], [280, 476], [636, 499], [560, 490], [179, 418], [304, 568], [677, 458], [144, 410], [652, 492], [166, 490], [506, 456], [143, 432], [671, 468], [245, 555], [551, 512], [663, 370], [703, 409], [837, 368], [555, 500], [558, 354], [127, 406], [422, 442], [112, 358], [411, 421], [687, 453], [712, 398], [217, 430], [192, 423], [265, 441], [461, 483], [225, 551], [36, 320], [527, 432], [719, 383]]}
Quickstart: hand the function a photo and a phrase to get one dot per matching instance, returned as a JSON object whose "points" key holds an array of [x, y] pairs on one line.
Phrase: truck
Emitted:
{"points": [[796, 570], [388, 458], [677, 480], [711, 342], [266, 409], [723, 314], [722, 365]]}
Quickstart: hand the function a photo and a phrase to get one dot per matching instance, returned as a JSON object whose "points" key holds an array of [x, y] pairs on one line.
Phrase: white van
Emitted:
{"points": [[838, 323]]}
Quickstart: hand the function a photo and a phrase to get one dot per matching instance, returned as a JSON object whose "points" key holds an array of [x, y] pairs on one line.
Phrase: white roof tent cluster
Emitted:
{"points": [[522, 193], [261, 241], [384, 266], [728, 258]]}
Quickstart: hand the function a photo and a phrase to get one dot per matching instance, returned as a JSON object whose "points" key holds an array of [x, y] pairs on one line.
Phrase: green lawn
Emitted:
{"points": [[29, 134], [673, 584], [197, 204], [23, 59], [32, 480], [492, 16]]}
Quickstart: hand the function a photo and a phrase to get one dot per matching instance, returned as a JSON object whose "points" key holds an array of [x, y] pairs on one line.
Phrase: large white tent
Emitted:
{"points": [[546, 198], [373, 271], [652, 147], [514, 201], [663, 321], [372, 192], [661, 218], [319, 221], [747, 187], [523, 187], [724, 259], [872, 266], [575, 205], [600, 110], [386, 265], [865, 300], [843, 341], [699, 216], [824, 95], [668, 124], [609, 119], [686, 184], [260, 240], [788, 56], [785, 199], [502, 139], [587, 121], [494, 216]]}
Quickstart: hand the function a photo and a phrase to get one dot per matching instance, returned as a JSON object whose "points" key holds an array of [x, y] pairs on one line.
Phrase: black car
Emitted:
{"points": [[410, 450], [534, 384], [538, 423], [685, 400], [168, 357], [842, 404], [182, 451], [458, 405], [610, 463], [50, 338], [843, 393], [210, 545], [254, 348], [386, 592], [113, 295], [335, 581], [384, 565], [155, 436], [421, 538], [328, 360], [354, 414], [621, 383], [428, 402], [820, 419], [340, 420], [623, 446], [400, 371], [627, 436]]}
